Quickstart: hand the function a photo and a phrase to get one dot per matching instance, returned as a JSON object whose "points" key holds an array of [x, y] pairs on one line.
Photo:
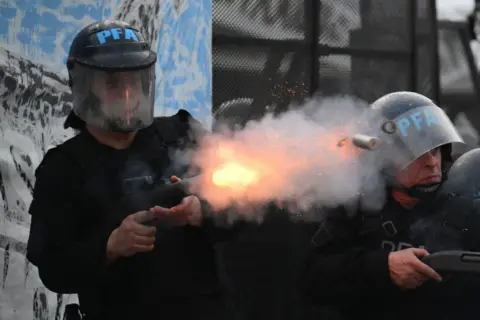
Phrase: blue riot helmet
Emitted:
{"points": [[112, 74], [409, 126]]}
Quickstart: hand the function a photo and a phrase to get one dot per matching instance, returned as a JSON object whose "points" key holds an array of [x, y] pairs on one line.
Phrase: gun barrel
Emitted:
{"points": [[454, 261]]}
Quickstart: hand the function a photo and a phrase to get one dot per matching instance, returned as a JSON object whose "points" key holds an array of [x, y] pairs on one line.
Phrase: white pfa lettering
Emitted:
{"points": [[419, 120], [392, 246]]}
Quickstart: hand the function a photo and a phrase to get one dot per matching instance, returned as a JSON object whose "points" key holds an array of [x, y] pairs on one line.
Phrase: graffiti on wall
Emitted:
{"points": [[34, 99]]}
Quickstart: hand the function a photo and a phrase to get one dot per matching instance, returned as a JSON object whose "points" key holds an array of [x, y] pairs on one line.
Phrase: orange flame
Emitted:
{"points": [[234, 175], [260, 167]]}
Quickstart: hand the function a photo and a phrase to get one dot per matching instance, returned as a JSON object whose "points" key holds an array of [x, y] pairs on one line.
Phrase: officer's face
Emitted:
{"points": [[118, 91], [121, 97], [425, 170]]}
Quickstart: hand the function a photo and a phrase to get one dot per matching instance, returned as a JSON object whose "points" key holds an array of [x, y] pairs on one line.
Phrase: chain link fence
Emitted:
{"points": [[272, 53], [268, 54]]}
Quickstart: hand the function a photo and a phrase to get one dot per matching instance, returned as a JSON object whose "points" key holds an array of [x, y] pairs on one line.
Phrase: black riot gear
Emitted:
{"points": [[176, 280], [410, 125], [464, 176], [458, 204], [112, 74], [461, 195]]}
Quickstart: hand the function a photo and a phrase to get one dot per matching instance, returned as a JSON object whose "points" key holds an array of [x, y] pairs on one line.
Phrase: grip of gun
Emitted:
{"points": [[172, 194]]}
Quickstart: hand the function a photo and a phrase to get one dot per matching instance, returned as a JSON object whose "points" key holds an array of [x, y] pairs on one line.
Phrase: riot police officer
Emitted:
{"points": [[122, 265], [370, 264]]}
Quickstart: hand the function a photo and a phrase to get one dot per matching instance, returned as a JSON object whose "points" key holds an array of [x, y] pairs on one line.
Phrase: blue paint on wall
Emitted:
{"points": [[43, 30]]}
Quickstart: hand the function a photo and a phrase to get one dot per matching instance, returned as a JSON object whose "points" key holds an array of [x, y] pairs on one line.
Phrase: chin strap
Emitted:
{"points": [[423, 191], [420, 191]]}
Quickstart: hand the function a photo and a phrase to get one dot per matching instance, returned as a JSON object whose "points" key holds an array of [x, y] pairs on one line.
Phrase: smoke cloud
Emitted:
{"points": [[302, 158]]}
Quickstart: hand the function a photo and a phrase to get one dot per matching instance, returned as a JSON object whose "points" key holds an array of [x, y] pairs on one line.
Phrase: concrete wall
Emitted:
{"points": [[34, 99]]}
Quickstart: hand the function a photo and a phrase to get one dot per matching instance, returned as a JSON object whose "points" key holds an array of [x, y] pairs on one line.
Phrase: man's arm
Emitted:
{"points": [[338, 270], [68, 259]]}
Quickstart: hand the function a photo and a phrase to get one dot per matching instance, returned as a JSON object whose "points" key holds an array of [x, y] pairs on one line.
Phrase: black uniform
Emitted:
{"points": [[264, 264], [264, 261], [348, 267], [74, 210]]}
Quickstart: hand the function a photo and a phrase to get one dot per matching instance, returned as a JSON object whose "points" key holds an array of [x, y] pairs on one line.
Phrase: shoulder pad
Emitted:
{"points": [[180, 125], [183, 115], [59, 155], [51, 158]]}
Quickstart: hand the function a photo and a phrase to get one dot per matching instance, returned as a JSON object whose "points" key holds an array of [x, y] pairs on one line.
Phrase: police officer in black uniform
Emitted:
{"points": [[369, 264], [157, 263]]}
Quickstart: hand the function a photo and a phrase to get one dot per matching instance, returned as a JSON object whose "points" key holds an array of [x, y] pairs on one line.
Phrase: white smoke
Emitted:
{"points": [[299, 159]]}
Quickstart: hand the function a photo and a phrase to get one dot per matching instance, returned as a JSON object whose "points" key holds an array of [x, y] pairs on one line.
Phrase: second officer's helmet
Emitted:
{"points": [[409, 125]]}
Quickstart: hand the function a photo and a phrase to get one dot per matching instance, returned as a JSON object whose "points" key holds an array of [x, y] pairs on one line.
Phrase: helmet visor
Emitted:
{"points": [[117, 101]]}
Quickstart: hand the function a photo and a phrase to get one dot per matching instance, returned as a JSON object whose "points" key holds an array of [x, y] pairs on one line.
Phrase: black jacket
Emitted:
{"points": [[75, 208], [347, 268], [263, 264]]}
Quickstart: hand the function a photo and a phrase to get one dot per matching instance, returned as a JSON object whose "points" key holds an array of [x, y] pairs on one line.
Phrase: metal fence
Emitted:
{"points": [[459, 78], [268, 54]]}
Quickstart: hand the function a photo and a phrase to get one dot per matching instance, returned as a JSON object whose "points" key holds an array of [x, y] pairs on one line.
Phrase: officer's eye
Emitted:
{"points": [[434, 151]]}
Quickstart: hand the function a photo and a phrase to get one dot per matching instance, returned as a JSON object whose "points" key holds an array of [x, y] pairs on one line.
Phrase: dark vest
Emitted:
{"points": [[437, 225], [182, 263]]}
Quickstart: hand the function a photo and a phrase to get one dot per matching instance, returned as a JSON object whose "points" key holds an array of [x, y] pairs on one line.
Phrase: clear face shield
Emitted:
{"points": [[116, 101], [417, 132]]}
